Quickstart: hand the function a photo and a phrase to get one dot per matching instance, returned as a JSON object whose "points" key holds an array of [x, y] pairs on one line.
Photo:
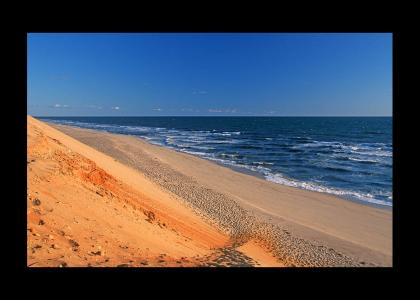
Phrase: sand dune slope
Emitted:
{"points": [[86, 209]]}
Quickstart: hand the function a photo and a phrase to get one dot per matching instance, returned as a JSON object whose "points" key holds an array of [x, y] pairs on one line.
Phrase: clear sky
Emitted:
{"points": [[235, 74]]}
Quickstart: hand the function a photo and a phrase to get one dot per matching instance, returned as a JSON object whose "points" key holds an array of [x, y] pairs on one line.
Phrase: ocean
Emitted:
{"points": [[346, 156]]}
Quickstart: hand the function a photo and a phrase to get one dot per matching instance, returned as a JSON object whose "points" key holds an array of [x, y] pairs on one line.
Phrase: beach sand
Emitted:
{"points": [[222, 217], [86, 209]]}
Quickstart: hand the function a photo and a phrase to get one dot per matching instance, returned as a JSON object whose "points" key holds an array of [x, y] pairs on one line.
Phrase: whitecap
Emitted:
{"points": [[193, 152], [363, 160]]}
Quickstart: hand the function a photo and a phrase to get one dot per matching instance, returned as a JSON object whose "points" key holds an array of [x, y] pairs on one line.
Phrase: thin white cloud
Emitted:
{"points": [[60, 105], [94, 106], [226, 110], [115, 107], [213, 110], [199, 92], [157, 109]]}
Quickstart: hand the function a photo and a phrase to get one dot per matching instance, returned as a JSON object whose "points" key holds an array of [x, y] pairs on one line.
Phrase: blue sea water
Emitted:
{"points": [[347, 156]]}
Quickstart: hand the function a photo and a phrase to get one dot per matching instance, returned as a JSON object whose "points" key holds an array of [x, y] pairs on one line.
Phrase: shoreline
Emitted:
{"points": [[358, 231], [371, 203], [256, 174]]}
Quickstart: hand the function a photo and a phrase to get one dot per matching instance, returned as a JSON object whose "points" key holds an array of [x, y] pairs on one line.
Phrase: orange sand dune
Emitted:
{"points": [[86, 209]]}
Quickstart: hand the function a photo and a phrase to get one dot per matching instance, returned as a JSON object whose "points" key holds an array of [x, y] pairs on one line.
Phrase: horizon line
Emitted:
{"points": [[240, 116]]}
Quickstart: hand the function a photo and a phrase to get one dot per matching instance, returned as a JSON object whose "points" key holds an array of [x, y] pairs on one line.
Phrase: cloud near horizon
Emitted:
{"points": [[218, 110], [60, 106], [94, 106]]}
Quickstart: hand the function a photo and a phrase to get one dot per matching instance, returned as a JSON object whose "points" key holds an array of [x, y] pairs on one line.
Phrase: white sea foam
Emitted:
{"points": [[195, 138], [229, 155], [262, 163], [221, 141], [193, 152], [223, 161], [222, 133], [228, 133], [363, 160], [202, 147], [375, 153], [278, 178], [370, 149], [137, 128]]}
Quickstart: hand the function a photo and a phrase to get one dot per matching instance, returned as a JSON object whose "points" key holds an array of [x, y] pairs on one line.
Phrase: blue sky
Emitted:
{"points": [[235, 74]]}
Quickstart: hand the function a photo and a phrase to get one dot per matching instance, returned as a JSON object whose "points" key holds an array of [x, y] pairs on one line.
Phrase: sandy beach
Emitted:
{"points": [[101, 199]]}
